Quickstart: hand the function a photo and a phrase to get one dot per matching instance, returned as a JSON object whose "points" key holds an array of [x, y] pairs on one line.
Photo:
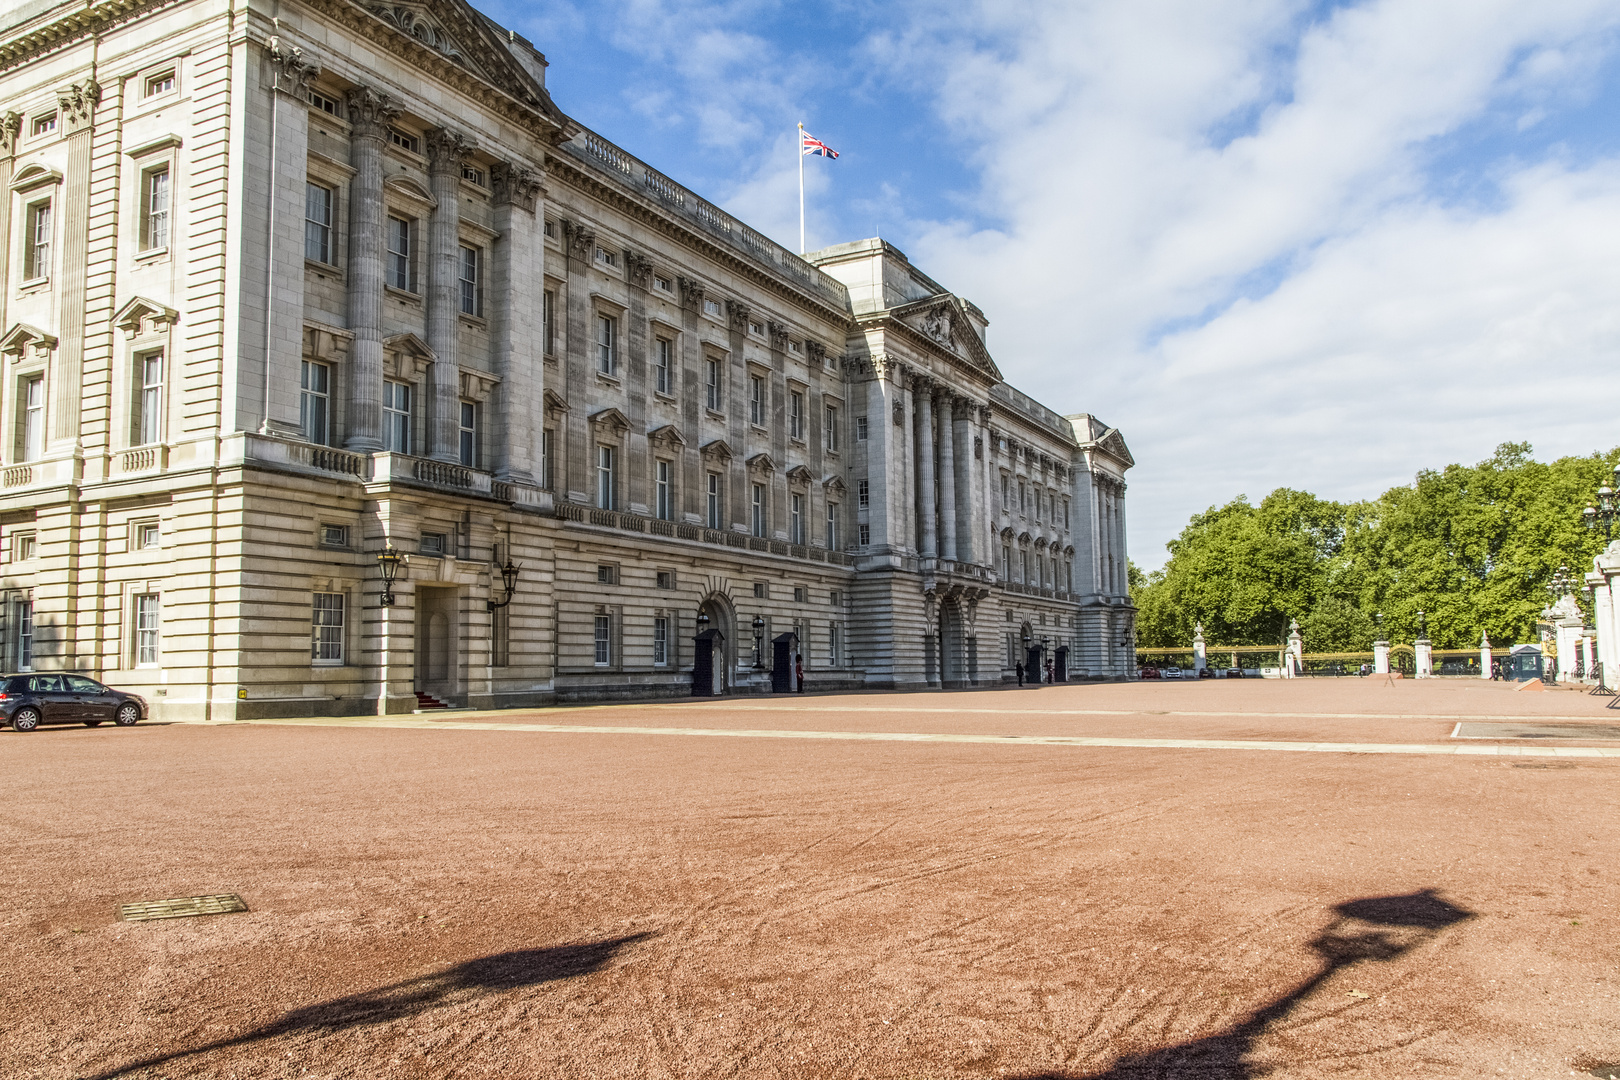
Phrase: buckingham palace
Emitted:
{"points": [[348, 374]]}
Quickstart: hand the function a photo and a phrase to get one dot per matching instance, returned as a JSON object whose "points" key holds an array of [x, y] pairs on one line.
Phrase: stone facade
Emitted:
{"points": [[282, 293]]}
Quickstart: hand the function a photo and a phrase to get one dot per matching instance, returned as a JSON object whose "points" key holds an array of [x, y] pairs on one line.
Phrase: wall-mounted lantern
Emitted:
{"points": [[388, 561], [509, 576], [759, 641]]}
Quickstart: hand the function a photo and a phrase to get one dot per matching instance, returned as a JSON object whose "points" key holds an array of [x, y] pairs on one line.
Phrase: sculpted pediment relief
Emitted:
{"points": [[1113, 444], [414, 19]]}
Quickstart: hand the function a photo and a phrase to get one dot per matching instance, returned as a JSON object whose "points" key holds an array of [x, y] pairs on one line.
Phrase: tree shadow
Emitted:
{"points": [[441, 989], [1379, 928]]}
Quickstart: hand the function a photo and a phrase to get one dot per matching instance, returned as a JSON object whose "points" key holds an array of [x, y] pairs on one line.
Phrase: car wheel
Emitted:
{"points": [[25, 719], [92, 723], [129, 714]]}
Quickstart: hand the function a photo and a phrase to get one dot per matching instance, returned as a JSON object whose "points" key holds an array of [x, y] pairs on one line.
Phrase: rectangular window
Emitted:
{"points": [[666, 579], [795, 415], [37, 242], [663, 505], [660, 641], [1006, 500], [606, 574], [607, 342], [404, 140], [548, 320], [762, 590], [24, 611], [318, 224], [159, 84], [430, 544], [314, 400], [863, 494], [326, 630], [759, 509], [471, 279], [756, 400], [832, 526], [713, 515], [546, 437], [835, 644], [835, 598], [399, 253], [472, 175], [604, 477], [471, 450], [335, 535], [1040, 570], [149, 402], [796, 518], [662, 284], [1039, 498], [1065, 514], [756, 328], [1006, 562], [322, 102], [1023, 566], [663, 353], [43, 125], [1023, 498], [860, 429], [148, 614], [711, 307], [865, 533], [23, 546], [396, 417], [155, 209], [832, 427], [33, 419], [603, 636], [148, 535], [606, 257], [713, 385]]}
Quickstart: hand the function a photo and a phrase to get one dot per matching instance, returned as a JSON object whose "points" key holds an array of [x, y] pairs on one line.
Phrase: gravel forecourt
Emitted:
{"points": [[1133, 880]]}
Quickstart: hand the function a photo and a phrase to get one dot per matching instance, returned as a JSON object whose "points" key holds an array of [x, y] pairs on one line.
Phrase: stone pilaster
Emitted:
{"points": [[10, 129], [882, 458], [282, 331], [947, 477], [967, 550], [447, 151], [78, 103], [580, 454], [370, 113], [517, 276], [928, 545]]}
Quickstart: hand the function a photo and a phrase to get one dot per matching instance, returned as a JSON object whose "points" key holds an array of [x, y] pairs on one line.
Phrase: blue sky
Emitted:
{"points": [[1320, 246]]}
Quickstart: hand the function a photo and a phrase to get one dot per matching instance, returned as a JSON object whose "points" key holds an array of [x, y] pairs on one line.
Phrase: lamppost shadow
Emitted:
{"points": [[485, 975], [1377, 929]]}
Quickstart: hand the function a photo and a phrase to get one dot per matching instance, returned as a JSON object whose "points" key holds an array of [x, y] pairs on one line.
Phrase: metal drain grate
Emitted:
{"points": [[181, 907]]}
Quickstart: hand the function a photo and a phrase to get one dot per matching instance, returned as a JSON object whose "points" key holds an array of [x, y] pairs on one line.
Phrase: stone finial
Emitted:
{"points": [[78, 102], [370, 112], [10, 128], [1484, 640], [517, 185], [293, 69]]}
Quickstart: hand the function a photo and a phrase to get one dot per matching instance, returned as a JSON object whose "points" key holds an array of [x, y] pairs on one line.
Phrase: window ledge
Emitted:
{"points": [[404, 296], [475, 321], [611, 380], [151, 255], [34, 284], [327, 663], [323, 268], [665, 395], [714, 414]]}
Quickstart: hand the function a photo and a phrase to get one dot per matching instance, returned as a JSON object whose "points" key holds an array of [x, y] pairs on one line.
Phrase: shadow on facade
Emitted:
{"points": [[452, 986], [1372, 929]]}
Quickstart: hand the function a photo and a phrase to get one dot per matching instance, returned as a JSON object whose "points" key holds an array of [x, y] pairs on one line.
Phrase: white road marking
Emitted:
{"points": [[1465, 750]]}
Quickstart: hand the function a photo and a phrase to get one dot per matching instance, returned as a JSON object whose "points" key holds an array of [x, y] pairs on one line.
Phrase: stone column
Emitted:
{"points": [[283, 327], [880, 440], [10, 130], [447, 151], [370, 113], [928, 547], [517, 276], [1123, 583], [947, 477], [1484, 656], [962, 455], [78, 103]]}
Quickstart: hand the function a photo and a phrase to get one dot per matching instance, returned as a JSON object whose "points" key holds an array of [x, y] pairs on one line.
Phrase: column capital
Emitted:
{"points": [[692, 292], [293, 68], [817, 352], [370, 113], [447, 151], [638, 268], [10, 128], [738, 313], [78, 102], [779, 336], [516, 185], [580, 240]]}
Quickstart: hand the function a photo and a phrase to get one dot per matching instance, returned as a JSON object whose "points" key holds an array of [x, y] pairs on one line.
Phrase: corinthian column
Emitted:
{"points": [[516, 276], [925, 466], [370, 113], [447, 151], [947, 477]]}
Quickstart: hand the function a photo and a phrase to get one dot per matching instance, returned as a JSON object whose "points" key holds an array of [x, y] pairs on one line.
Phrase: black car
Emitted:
{"points": [[29, 700]]}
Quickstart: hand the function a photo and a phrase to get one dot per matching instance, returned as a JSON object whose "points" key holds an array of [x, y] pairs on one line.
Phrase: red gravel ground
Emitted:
{"points": [[457, 902]]}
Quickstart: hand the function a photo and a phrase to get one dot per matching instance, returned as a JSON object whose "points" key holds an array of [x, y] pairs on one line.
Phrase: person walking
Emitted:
{"points": [[1020, 673], [1049, 672], [798, 671]]}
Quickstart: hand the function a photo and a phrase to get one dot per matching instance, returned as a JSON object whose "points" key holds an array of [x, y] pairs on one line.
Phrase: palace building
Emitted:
{"points": [[345, 371]]}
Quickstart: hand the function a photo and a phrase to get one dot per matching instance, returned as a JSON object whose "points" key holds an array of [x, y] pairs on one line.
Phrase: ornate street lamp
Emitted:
{"points": [[1607, 508], [1561, 585], [509, 575], [388, 561], [1423, 624], [759, 642]]}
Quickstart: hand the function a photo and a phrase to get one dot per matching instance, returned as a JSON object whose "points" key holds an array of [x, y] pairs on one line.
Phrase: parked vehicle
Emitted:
{"points": [[1234, 673], [1172, 673], [1206, 673], [31, 699], [1150, 673]]}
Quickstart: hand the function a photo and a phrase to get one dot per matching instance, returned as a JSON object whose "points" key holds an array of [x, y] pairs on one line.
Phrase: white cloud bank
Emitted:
{"points": [[1391, 331]]}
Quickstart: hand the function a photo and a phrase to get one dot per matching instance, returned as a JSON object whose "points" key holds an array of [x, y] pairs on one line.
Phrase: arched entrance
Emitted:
{"points": [[952, 645], [723, 618]]}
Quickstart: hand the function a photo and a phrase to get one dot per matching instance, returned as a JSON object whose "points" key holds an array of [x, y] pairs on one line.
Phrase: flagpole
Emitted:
{"points": [[800, 149]]}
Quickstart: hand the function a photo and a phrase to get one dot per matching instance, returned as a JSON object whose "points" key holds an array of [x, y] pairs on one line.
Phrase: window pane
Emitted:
{"points": [[326, 641], [157, 209], [318, 223]]}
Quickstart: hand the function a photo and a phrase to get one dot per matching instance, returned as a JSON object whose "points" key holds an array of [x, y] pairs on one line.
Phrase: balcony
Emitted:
{"points": [[674, 530], [381, 469]]}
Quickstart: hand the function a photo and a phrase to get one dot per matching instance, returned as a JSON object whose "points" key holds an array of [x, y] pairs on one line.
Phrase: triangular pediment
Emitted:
{"points": [[22, 337], [554, 402], [140, 310], [669, 434], [1113, 444], [800, 475], [410, 345], [719, 448], [940, 321], [834, 484], [762, 462], [610, 418]]}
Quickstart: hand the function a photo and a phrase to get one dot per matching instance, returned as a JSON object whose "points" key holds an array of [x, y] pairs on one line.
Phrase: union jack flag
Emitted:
{"points": [[810, 146]]}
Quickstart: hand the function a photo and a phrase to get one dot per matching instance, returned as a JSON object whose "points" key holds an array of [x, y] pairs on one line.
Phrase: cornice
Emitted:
{"points": [[566, 168], [72, 26], [888, 321]]}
